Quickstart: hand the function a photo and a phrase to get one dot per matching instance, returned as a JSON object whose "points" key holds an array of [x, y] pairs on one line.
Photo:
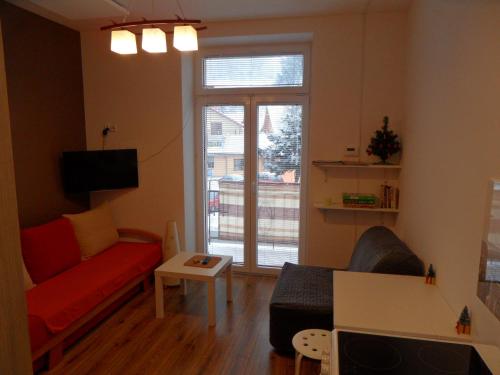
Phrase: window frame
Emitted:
{"points": [[252, 50]]}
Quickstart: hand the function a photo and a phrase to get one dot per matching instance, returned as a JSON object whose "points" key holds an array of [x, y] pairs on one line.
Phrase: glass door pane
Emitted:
{"points": [[279, 152], [224, 164]]}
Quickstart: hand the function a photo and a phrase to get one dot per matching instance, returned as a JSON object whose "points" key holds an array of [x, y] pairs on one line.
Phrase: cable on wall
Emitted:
{"points": [[165, 146], [361, 100], [105, 132], [362, 73]]}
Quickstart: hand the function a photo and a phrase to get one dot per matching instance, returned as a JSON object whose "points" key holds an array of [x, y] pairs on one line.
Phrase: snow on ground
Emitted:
{"points": [[268, 254]]}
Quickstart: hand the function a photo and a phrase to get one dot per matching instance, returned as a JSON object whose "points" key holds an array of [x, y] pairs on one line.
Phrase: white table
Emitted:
{"points": [[395, 305], [392, 304], [175, 268]]}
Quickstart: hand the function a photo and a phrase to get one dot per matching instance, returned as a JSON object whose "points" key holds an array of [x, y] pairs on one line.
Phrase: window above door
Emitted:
{"points": [[253, 71], [266, 69]]}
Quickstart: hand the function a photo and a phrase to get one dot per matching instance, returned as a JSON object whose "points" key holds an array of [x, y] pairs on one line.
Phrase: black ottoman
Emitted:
{"points": [[302, 299]]}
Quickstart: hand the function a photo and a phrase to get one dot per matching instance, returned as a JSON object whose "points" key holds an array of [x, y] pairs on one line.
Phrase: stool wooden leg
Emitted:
{"points": [[298, 362]]}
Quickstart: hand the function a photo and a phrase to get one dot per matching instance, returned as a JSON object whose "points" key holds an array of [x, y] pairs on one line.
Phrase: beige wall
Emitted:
{"points": [[141, 95], [452, 148]]}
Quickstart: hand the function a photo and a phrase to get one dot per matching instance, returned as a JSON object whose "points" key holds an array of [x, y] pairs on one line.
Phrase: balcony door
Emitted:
{"points": [[251, 169]]}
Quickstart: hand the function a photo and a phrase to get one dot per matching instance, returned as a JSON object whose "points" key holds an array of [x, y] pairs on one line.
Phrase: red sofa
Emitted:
{"points": [[71, 296]]}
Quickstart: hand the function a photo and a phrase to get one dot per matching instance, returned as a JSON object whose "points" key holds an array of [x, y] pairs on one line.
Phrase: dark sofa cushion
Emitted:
{"points": [[379, 250], [302, 299], [303, 295]]}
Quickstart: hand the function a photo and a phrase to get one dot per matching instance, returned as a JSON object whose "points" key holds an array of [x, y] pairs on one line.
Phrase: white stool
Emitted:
{"points": [[310, 343]]}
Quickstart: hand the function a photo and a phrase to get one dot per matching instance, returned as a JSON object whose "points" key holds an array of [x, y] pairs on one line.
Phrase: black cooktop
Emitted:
{"points": [[362, 354]]}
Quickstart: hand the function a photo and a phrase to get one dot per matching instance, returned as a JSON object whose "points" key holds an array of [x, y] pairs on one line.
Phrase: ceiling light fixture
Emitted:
{"points": [[123, 42], [153, 38], [185, 38]]}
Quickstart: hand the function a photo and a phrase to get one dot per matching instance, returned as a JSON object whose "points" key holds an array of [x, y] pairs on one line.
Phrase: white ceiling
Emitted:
{"points": [[83, 13]]}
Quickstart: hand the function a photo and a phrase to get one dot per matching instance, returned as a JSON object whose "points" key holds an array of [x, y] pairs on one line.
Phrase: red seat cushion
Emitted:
{"points": [[49, 249], [63, 299]]}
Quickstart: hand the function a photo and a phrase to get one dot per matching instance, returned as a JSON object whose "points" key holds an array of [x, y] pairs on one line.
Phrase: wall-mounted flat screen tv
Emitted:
{"points": [[85, 171]]}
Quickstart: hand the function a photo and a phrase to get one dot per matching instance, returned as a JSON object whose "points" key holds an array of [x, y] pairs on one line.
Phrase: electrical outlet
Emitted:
{"points": [[351, 151]]}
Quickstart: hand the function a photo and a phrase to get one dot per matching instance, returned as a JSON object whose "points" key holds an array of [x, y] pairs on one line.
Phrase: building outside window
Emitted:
{"points": [[215, 144], [210, 162], [216, 128], [238, 164]]}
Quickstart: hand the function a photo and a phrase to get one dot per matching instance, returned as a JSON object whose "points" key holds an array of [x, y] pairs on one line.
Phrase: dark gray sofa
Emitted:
{"points": [[303, 295]]}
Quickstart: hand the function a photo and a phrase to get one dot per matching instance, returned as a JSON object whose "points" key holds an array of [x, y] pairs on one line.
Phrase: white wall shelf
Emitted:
{"points": [[329, 164], [340, 207], [326, 165]]}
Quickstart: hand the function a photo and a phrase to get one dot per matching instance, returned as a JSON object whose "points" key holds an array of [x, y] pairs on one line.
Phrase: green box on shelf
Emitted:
{"points": [[359, 199]]}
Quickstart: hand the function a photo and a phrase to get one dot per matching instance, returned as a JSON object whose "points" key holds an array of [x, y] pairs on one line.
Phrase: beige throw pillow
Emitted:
{"points": [[28, 283], [94, 230]]}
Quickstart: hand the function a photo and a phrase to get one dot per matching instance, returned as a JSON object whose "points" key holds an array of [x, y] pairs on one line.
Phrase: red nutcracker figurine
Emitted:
{"points": [[430, 277], [463, 323]]}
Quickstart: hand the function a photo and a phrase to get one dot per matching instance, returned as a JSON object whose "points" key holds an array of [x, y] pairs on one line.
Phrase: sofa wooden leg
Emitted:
{"points": [[146, 285], [55, 356]]}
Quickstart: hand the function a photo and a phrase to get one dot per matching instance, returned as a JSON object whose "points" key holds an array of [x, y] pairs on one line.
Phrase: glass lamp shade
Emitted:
{"points": [[185, 38], [123, 42], [154, 40]]}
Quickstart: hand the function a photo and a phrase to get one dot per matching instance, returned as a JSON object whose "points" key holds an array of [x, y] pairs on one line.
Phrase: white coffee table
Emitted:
{"points": [[175, 268]]}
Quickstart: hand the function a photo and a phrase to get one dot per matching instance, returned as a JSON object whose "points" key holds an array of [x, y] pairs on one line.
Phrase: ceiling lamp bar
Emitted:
{"points": [[179, 21]]}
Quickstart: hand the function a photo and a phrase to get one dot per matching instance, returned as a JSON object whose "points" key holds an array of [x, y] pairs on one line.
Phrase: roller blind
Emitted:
{"points": [[286, 70]]}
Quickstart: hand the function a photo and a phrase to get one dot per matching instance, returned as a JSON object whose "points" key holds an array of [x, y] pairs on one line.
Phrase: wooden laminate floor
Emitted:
{"points": [[133, 341]]}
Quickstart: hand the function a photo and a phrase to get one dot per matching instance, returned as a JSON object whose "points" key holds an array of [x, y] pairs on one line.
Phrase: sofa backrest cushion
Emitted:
{"points": [[379, 250], [49, 249], [95, 230]]}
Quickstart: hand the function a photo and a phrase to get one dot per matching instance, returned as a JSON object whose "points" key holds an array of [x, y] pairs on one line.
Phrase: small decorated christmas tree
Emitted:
{"points": [[384, 143], [430, 277], [464, 322]]}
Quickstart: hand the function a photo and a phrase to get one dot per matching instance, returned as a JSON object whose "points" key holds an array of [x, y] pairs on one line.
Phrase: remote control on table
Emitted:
{"points": [[206, 260]]}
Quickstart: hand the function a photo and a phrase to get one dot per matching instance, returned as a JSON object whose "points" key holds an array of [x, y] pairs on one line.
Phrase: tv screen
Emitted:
{"points": [[85, 171]]}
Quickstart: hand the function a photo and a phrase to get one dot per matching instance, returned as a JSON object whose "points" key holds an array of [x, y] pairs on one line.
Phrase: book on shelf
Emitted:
{"points": [[361, 200], [389, 196]]}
